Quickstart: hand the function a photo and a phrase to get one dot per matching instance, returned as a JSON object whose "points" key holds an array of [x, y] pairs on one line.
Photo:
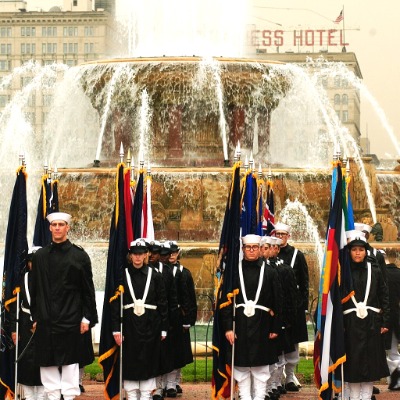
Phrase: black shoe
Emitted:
{"points": [[291, 387], [81, 388], [273, 396], [395, 380], [375, 390], [282, 390], [373, 397], [276, 393], [170, 393], [267, 397], [158, 397], [178, 389]]}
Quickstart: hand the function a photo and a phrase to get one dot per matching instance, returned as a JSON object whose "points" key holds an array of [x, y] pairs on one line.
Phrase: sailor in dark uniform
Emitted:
{"points": [[257, 306], [166, 355], [63, 307], [295, 258], [28, 370], [366, 320], [187, 316], [145, 323]]}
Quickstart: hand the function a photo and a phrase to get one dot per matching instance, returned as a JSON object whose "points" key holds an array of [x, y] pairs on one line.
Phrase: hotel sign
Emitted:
{"points": [[307, 37]]}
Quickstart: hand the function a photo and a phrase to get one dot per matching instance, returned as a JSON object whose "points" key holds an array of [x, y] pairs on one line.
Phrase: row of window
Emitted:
{"points": [[49, 48], [343, 99], [338, 81], [6, 66], [49, 31], [47, 100]]}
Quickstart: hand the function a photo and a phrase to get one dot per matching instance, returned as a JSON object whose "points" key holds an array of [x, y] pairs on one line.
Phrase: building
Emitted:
{"points": [[56, 36]]}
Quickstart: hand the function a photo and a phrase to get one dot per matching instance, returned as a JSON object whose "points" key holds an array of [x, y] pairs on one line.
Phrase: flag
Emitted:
{"points": [[15, 251], [147, 221], [259, 208], [226, 279], [117, 251], [269, 211], [339, 17], [128, 202], [138, 207], [329, 348], [249, 204], [48, 203]]}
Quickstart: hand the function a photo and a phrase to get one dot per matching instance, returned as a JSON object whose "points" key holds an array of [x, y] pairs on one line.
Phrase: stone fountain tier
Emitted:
{"points": [[197, 109]]}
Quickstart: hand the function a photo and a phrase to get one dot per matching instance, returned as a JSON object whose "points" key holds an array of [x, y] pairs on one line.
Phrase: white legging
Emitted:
{"points": [[33, 392], [140, 390], [361, 391], [59, 381]]}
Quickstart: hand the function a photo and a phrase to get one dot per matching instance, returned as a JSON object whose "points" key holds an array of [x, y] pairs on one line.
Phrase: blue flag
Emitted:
{"points": [[117, 251], [225, 286], [16, 249]]}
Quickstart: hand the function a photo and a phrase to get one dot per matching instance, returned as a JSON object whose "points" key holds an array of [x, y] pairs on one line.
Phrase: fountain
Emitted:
{"points": [[184, 115]]}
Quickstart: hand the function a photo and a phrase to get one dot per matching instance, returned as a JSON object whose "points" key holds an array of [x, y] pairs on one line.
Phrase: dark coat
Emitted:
{"points": [[365, 351], [62, 295], [300, 268], [142, 334], [393, 280], [167, 350], [186, 316], [288, 317], [28, 370], [252, 345]]}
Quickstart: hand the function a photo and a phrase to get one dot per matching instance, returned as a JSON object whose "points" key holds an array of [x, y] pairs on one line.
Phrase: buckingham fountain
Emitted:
{"points": [[183, 117]]}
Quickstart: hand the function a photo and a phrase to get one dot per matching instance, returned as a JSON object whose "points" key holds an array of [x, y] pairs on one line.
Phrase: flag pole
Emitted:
{"points": [[233, 345], [121, 314], [344, 31], [16, 347]]}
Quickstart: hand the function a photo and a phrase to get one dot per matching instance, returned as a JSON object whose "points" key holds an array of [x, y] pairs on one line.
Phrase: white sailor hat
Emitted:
{"points": [[362, 227], [263, 240], [356, 239], [59, 216], [269, 239], [281, 227], [251, 239], [277, 241], [138, 246], [354, 233]]}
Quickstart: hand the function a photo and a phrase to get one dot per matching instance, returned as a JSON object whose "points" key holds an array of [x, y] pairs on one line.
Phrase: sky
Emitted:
{"points": [[371, 31]]}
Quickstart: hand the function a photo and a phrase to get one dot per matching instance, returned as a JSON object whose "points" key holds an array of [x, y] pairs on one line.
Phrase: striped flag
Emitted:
{"points": [[269, 211], [225, 287], [249, 204], [339, 17], [329, 347], [147, 222]]}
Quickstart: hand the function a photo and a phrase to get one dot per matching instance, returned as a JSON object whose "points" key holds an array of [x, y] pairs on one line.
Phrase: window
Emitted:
{"points": [[70, 31], [336, 99], [71, 63], [49, 31], [30, 117], [345, 82], [5, 65], [32, 100], [75, 3], [88, 48], [5, 48], [337, 81], [345, 116], [4, 99], [49, 48], [28, 31], [25, 80], [345, 99], [28, 48], [89, 31], [70, 48], [48, 62], [5, 32], [47, 100]]}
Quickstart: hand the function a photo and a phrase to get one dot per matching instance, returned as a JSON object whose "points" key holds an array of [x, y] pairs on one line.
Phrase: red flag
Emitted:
{"points": [[339, 18]]}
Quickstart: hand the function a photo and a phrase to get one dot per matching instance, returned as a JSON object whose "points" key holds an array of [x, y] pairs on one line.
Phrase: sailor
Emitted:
{"points": [[295, 258], [166, 355], [28, 370], [392, 338], [63, 307], [145, 323], [366, 320], [256, 326], [186, 318]]}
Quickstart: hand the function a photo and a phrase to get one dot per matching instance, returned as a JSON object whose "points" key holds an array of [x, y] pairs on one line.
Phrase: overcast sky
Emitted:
{"points": [[372, 31]]}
